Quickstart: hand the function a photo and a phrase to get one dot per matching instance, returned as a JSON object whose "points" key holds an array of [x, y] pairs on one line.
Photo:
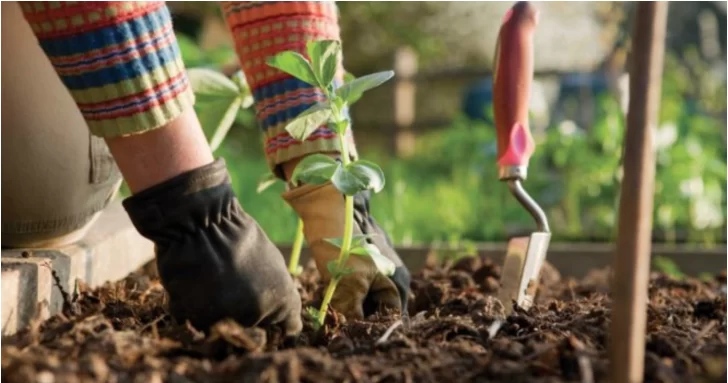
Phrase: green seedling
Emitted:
{"points": [[349, 177], [293, 263], [667, 266], [218, 101], [455, 251]]}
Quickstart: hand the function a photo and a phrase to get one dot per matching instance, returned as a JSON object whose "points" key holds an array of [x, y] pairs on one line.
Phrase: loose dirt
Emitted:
{"points": [[455, 332]]}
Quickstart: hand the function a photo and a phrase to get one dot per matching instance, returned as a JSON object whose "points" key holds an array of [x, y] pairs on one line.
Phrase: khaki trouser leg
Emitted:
{"points": [[56, 178]]}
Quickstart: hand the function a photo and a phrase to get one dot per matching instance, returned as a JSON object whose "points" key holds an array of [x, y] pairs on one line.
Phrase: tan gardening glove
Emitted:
{"points": [[321, 207]]}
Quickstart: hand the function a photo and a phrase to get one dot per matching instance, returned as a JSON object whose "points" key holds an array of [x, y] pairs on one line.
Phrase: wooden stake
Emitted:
{"points": [[631, 261], [405, 68]]}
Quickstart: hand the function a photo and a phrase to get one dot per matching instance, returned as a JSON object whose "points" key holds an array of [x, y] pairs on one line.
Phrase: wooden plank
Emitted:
{"points": [[405, 90], [449, 74], [575, 259]]}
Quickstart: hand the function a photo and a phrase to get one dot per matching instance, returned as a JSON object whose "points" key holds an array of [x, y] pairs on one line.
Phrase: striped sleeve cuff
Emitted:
{"points": [[119, 60], [263, 29]]}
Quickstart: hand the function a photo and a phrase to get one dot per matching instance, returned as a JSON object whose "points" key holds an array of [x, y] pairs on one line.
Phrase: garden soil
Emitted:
{"points": [[455, 332]]}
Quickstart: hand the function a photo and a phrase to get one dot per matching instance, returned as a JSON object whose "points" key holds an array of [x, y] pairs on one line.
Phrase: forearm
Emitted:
{"points": [[261, 30], [121, 63], [119, 60]]}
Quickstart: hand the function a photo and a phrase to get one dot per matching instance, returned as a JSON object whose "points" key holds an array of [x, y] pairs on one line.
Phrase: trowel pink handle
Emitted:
{"points": [[512, 77]]}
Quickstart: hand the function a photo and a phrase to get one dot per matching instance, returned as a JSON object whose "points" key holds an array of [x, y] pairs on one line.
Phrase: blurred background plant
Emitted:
{"points": [[447, 191]]}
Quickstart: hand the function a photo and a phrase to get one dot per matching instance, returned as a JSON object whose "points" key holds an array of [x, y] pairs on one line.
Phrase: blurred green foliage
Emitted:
{"points": [[667, 266], [448, 191], [196, 57]]}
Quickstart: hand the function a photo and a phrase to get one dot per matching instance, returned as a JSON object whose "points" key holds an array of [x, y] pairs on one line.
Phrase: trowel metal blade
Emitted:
{"points": [[521, 270]]}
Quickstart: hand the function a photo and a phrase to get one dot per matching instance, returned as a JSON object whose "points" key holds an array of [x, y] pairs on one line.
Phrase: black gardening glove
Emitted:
{"points": [[369, 225], [214, 260]]}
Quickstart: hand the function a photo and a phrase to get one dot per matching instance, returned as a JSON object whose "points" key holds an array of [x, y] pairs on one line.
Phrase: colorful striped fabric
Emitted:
{"points": [[264, 29], [119, 60]]}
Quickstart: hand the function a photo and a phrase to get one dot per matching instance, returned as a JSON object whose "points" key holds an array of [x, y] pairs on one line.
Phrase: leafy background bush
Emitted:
{"points": [[448, 190]]}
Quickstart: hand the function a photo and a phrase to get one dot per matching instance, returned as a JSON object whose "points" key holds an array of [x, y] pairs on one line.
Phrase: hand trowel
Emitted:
{"points": [[512, 77]]}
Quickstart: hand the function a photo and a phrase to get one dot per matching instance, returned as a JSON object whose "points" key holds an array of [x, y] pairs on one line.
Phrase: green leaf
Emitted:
{"points": [[368, 173], [346, 182], [217, 117], [220, 56], [191, 53], [243, 89], [324, 56], [239, 79], [312, 312], [211, 85], [348, 77], [308, 121], [218, 100], [340, 127], [267, 181], [294, 64], [384, 265], [359, 250], [333, 267], [315, 169], [358, 176], [335, 271], [352, 91], [335, 241], [356, 239], [340, 103], [668, 266]]}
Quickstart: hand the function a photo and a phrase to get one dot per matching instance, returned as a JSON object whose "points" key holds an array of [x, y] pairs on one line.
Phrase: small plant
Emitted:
{"points": [[455, 251], [667, 266], [349, 177], [219, 101]]}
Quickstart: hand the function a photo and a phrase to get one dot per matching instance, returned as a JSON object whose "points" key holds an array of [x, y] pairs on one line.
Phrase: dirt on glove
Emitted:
{"points": [[455, 332]]}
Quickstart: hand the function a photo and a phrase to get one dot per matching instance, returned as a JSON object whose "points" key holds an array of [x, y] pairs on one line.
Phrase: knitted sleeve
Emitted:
{"points": [[119, 60], [264, 29]]}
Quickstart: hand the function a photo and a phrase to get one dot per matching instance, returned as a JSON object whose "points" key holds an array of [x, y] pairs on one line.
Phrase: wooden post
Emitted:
{"points": [[631, 261], [405, 69]]}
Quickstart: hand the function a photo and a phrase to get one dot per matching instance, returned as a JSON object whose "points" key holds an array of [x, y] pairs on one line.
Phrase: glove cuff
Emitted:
{"points": [[182, 203]]}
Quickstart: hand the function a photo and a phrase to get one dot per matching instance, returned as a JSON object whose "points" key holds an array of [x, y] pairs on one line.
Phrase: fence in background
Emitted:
{"points": [[405, 124]]}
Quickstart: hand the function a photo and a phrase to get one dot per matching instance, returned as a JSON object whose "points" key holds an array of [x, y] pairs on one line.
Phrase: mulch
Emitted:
{"points": [[455, 332]]}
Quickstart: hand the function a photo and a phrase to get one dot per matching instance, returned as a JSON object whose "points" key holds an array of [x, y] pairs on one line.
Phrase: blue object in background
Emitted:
{"points": [[572, 84], [478, 97]]}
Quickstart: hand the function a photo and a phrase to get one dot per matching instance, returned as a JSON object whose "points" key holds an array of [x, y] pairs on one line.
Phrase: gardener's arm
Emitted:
{"points": [[261, 30], [121, 63]]}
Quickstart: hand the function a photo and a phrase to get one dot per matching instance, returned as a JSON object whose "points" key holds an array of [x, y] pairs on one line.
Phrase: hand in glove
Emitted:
{"points": [[321, 208], [214, 260]]}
